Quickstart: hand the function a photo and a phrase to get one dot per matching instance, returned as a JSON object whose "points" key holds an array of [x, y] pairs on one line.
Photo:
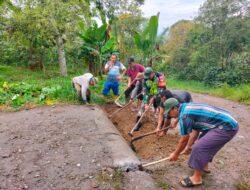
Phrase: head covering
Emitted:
{"points": [[147, 72], [95, 80], [130, 60], [169, 104]]}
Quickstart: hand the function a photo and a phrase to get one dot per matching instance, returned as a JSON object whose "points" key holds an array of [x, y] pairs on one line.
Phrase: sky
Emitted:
{"points": [[171, 11]]}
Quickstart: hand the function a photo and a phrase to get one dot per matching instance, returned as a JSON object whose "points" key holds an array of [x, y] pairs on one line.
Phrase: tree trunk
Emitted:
{"points": [[61, 53], [30, 56]]}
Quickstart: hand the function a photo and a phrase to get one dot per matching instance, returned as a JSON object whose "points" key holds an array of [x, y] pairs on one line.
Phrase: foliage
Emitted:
{"points": [[97, 46], [176, 37], [244, 181], [146, 41], [215, 49], [38, 33], [17, 90], [158, 175], [111, 180], [239, 93], [124, 27]]}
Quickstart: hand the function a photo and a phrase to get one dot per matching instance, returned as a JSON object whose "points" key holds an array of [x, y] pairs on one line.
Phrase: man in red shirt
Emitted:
{"points": [[133, 71]]}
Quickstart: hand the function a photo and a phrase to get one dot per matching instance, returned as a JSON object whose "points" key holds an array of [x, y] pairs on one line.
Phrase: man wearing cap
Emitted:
{"points": [[115, 70], [81, 85], [217, 127], [153, 84], [135, 71], [181, 96]]}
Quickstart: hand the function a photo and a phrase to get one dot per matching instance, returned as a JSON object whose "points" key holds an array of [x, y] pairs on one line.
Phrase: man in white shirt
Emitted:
{"points": [[81, 84]]}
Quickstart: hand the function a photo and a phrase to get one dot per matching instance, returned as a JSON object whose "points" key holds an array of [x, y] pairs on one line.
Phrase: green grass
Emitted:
{"points": [[114, 179], [244, 181], [158, 175], [240, 93], [20, 87]]}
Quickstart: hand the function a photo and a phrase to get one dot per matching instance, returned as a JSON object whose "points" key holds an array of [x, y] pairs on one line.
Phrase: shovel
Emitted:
{"points": [[145, 135], [120, 109], [132, 130], [116, 100]]}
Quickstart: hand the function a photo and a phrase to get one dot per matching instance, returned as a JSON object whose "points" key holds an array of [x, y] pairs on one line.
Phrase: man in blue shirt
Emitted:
{"points": [[115, 70], [217, 127]]}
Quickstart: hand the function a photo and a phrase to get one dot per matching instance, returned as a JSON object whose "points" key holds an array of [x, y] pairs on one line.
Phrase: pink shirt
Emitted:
{"points": [[132, 72]]}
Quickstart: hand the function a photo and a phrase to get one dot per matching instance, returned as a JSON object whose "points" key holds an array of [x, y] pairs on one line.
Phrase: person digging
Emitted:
{"points": [[181, 96], [217, 127], [134, 85], [152, 87], [81, 85]]}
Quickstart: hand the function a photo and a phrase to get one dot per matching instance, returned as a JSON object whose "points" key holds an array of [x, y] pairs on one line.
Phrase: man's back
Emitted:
{"points": [[204, 117]]}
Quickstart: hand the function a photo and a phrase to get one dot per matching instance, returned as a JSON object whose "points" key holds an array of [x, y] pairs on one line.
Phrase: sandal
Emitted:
{"points": [[207, 171], [188, 183]]}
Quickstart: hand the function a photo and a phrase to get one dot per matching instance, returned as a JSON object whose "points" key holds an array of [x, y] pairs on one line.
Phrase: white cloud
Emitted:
{"points": [[171, 11]]}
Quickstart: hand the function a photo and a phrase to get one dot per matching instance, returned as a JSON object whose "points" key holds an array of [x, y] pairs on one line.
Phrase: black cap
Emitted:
{"points": [[131, 60]]}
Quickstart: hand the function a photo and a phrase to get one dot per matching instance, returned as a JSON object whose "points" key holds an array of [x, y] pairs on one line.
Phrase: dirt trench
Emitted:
{"points": [[150, 147], [230, 167]]}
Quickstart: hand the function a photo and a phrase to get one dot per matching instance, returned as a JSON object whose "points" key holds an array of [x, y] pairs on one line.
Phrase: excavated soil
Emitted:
{"points": [[230, 167], [148, 148]]}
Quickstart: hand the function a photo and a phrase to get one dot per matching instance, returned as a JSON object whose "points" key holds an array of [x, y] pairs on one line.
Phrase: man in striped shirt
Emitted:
{"points": [[217, 127]]}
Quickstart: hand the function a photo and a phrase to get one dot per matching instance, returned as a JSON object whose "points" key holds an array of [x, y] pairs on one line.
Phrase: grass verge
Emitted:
{"points": [[244, 182], [111, 180], [158, 176], [239, 93]]}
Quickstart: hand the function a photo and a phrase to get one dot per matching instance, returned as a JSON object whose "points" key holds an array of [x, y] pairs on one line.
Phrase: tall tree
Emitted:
{"points": [[50, 22], [126, 19], [146, 41], [219, 17], [177, 36]]}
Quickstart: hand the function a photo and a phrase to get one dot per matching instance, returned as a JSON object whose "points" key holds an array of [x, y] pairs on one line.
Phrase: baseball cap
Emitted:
{"points": [[169, 104], [147, 72]]}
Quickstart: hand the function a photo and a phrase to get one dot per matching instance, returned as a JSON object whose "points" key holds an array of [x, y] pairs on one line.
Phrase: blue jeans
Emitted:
{"points": [[111, 85]]}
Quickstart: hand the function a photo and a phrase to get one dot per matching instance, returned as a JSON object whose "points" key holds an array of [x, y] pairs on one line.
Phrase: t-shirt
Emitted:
{"points": [[181, 96], [203, 117], [132, 72], [83, 81], [114, 70]]}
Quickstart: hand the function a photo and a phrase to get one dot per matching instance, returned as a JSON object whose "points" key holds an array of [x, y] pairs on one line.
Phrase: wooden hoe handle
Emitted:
{"points": [[155, 162]]}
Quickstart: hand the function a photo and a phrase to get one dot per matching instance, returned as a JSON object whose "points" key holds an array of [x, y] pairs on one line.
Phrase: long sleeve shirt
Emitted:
{"points": [[83, 81], [151, 87]]}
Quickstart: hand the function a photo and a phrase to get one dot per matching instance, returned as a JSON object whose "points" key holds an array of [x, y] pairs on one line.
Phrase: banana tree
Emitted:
{"points": [[146, 41], [97, 46]]}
